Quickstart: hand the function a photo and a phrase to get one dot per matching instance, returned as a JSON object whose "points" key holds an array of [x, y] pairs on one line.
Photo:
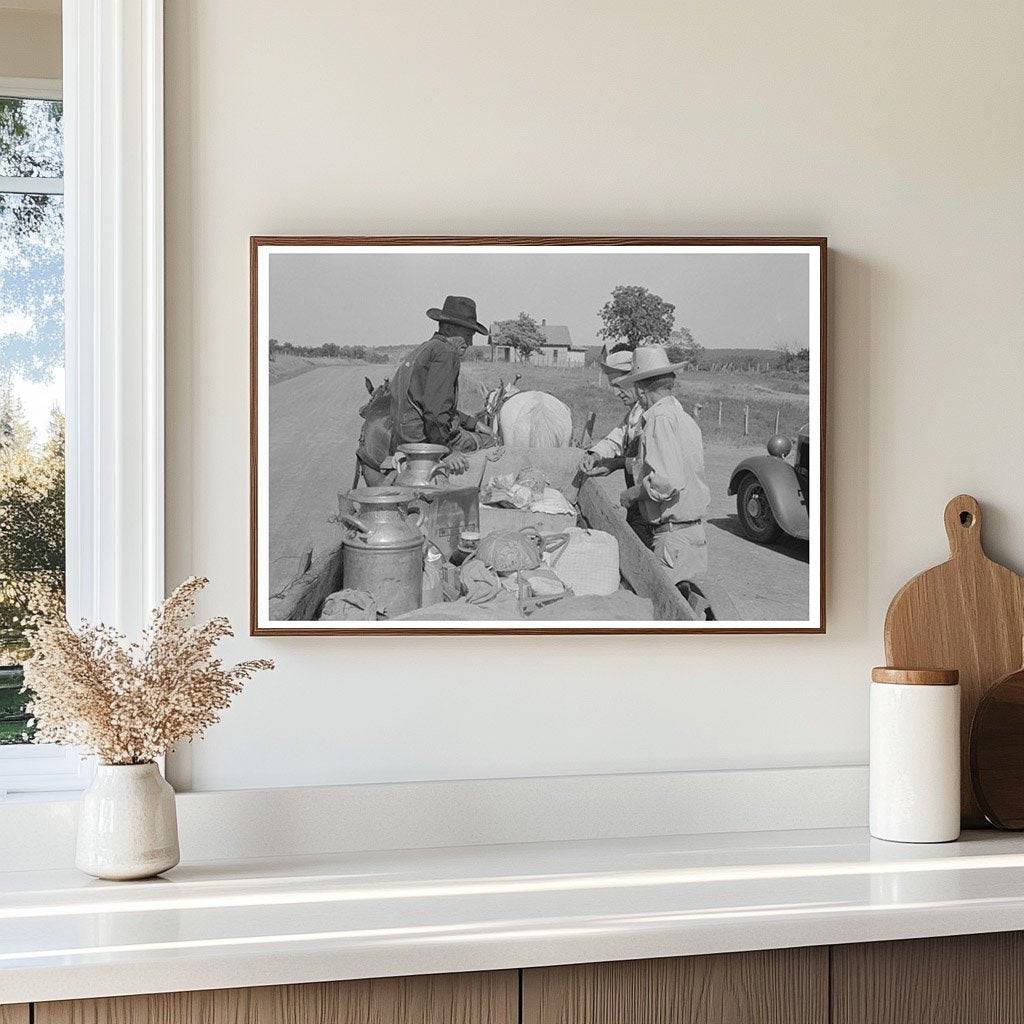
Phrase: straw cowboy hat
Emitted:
{"points": [[649, 361], [457, 309], [615, 364]]}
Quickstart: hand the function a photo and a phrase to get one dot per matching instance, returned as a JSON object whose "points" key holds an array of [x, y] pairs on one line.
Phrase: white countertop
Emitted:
{"points": [[261, 922]]}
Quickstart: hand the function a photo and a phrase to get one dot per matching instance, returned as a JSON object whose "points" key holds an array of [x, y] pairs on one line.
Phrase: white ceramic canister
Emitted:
{"points": [[127, 825], [915, 755]]}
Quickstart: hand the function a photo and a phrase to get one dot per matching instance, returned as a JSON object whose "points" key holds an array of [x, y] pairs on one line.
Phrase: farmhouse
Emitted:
{"points": [[556, 350]]}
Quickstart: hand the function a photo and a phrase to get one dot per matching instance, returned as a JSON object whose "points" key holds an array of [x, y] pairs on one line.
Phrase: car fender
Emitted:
{"points": [[779, 480]]}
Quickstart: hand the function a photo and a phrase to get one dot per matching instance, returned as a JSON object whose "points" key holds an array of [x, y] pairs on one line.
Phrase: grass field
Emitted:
{"points": [[739, 357], [699, 392]]}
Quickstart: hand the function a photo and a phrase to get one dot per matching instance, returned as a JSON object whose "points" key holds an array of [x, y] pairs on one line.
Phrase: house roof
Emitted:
{"points": [[555, 336]]}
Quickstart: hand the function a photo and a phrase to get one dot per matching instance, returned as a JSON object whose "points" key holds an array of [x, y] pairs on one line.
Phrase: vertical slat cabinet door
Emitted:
{"points": [[481, 998], [14, 1013], [960, 979], [778, 986]]}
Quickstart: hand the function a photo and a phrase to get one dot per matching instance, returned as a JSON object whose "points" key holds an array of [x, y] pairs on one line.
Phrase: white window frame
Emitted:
{"points": [[114, 324]]}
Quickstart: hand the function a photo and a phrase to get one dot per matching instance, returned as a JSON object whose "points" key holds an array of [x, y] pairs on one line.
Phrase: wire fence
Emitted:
{"points": [[735, 419]]}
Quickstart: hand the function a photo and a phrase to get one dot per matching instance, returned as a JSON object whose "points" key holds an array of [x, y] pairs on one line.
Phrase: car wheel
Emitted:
{"points": [[755, 512]]}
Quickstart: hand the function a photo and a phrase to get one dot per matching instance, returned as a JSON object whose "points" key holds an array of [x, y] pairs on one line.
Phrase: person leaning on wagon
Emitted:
{"points": [[425, 388], [671, 493], [618, 448]]}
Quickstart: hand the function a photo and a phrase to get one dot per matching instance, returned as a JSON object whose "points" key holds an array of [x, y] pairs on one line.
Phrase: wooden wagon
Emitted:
{"points": [[596, 501]]}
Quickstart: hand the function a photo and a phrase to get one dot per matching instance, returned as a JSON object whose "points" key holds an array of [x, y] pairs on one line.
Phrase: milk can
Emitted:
{"points": [[448, 506], [383, 549], [419, 465]]}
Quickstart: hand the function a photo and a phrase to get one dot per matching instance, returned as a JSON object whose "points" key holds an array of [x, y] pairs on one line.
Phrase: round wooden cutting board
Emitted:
{"points": [[967, 614], [997, 752]]}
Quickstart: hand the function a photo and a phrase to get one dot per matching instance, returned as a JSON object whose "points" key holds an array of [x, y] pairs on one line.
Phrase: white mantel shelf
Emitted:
{"points": [[264, 922]]}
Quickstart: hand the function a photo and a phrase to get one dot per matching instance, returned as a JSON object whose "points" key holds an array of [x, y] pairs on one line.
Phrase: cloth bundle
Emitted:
{"points": [[483, 597], [553, 503], [349, 606], [527, 489]]}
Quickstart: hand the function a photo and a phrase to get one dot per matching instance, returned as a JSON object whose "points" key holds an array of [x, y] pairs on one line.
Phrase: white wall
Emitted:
{"points": [[895, 129]]}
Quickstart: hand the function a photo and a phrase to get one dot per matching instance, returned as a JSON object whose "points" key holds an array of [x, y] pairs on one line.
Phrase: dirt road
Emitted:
{"points": [[314, 429]]}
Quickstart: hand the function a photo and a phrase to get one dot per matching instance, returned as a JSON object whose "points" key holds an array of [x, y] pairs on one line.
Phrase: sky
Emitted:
{"points": [[38, 400], [31, 270], [728, 300]]}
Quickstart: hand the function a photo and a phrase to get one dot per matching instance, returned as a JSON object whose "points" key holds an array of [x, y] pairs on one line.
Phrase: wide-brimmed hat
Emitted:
{"points": [[615, 364], [457, 309], [649, 361]]}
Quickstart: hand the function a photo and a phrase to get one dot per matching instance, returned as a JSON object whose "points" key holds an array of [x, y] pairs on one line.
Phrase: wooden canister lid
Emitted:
{"points": [[916, 676]]}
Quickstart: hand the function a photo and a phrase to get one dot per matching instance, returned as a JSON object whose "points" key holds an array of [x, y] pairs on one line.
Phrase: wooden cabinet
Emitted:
{"points": [[962, 979], [971, 979], [777, 986], [491, 998]]}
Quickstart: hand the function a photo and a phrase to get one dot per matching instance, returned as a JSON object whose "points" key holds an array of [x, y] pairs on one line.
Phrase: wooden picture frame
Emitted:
{"points": [[327, 560]]}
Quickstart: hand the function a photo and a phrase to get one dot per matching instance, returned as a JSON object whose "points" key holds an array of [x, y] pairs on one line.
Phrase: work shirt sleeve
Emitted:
{"points": [[434, 388], [665, 468], [613, 445]]}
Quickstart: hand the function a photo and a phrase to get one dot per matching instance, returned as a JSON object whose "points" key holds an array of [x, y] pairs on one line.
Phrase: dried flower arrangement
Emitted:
{"points": [[129, 703]]}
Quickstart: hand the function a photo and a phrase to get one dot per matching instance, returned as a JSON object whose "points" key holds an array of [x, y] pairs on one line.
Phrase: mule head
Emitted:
{"points": [[492, 402], [380, 398], [497, 397]]}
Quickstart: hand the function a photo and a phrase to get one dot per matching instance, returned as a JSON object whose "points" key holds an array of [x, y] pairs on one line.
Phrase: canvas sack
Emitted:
{"points": [[589, 563]]}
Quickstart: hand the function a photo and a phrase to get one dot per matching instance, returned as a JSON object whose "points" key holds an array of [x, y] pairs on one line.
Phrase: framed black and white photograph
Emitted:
{"points": [[538, 435]]}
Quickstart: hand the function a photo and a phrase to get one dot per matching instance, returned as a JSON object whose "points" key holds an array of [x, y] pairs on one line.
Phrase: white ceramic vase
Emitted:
{"points": [[127, 825]]}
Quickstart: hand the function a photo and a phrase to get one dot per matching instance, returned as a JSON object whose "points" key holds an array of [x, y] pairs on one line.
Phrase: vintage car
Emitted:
{"points": [[772, 491]]}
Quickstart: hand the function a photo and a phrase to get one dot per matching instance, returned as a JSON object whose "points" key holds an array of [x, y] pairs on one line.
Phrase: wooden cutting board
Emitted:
{"points": [[967, 614], [997, 752]]}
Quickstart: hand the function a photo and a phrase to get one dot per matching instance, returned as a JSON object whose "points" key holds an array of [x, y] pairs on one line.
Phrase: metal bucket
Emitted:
{"points": [[382, 551]]}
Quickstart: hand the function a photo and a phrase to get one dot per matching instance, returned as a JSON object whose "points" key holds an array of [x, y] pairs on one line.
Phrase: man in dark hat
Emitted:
{"points": [[425, 388]]}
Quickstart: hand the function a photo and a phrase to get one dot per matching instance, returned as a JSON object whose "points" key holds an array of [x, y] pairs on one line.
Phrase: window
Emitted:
{"points": [[81, 188], [32, 548]]}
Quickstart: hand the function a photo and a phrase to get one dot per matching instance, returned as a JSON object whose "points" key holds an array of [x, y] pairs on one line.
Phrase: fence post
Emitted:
{"points": [[746, 420], [719, 412]]}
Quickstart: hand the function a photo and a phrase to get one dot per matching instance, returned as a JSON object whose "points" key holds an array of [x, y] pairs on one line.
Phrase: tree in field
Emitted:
{"points": [[31, 526], [31, 243], [788, 357], [682, 346], [637, 315], [523, 334]]}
